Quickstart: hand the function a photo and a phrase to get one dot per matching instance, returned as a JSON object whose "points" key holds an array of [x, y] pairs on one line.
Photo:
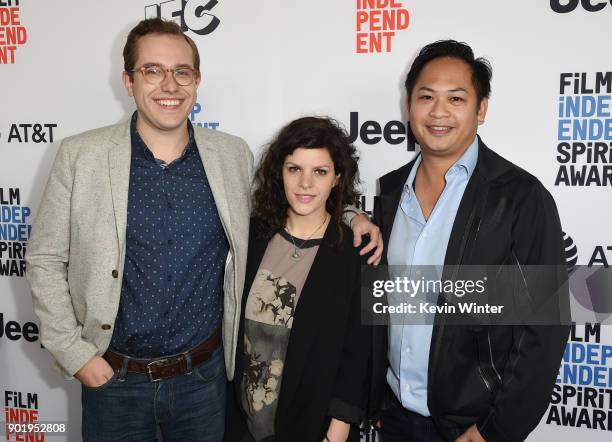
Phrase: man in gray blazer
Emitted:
{"points": [[137, 256]]}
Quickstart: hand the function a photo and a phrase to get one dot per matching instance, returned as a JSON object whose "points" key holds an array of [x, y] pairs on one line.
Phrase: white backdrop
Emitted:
{"points": [[265, 64]]}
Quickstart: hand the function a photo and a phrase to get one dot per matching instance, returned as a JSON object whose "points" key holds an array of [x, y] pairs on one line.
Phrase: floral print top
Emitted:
{"points": [[269, 314]]}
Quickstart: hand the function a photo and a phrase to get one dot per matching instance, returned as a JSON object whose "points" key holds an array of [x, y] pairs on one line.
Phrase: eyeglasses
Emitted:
{"points": [[155, 74]]}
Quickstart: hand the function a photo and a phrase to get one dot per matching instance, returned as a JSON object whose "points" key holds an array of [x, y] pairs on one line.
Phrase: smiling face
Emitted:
{"points": [[308, 179], [162, 108], [443, 108]]}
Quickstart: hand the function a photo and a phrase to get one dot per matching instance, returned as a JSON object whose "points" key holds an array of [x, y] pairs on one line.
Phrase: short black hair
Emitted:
{"points": [[480, 67]]}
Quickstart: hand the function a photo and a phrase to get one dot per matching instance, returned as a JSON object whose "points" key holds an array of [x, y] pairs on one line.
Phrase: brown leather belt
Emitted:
{"points": [[169, 366]]}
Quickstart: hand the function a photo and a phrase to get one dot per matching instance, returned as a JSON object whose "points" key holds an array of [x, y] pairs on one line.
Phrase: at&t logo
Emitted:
{"points": [[191, 15], [571, 252]]}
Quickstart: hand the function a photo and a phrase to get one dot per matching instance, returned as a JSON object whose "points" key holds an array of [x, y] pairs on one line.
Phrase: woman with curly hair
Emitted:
{"points": [[302, 354]]}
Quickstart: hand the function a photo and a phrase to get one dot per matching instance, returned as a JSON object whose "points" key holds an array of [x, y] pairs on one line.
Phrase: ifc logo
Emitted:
{"points": [[192, 15]]}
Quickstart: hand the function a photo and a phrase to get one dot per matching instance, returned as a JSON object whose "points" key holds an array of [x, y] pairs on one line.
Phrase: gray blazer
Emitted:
{"points": [[77, 249]]}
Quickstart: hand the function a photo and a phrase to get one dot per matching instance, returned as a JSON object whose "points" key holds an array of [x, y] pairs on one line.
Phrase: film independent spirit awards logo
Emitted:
{"points": [[13, 33], [377, 23], [582, 394]]}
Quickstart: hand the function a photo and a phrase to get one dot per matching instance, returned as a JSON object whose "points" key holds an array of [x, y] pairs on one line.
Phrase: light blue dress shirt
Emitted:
{"points": [[415, 241]]}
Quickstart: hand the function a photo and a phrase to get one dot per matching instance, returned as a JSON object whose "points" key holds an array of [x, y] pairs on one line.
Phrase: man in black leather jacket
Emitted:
{"points": [[483, 382]]}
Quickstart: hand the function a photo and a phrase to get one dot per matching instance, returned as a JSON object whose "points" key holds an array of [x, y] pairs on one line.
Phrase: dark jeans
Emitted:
{"points": [[401, 425], [129, 407]]}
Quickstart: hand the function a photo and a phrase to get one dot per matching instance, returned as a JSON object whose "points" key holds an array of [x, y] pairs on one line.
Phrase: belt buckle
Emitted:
{"points": [[188, 365], [153, 364]]}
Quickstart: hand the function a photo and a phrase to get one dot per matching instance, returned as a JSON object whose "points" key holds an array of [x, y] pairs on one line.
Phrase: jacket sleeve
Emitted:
{"points": [[351, 387], [351, 212], [530, 373], [47, 270], [249, 155]]}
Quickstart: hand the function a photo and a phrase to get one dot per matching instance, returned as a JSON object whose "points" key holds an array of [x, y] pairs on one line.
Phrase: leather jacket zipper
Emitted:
{"points": [[484, 379], [491, 356], [473, 227]]}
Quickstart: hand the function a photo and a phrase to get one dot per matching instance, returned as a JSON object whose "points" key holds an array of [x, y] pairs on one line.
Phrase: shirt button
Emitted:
{"points": [[170, 242], [169, 278], [115, 274], [407, 387], [408, 350], [105, 327], [169, 205]]}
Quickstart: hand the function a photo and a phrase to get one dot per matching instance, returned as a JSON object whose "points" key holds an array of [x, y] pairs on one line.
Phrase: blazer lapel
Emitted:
{"points": [[119, 159], [468, 219], [213, 166]]}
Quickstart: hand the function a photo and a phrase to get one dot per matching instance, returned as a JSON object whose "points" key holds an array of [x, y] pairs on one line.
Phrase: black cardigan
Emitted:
{"points": [[326, 367]]}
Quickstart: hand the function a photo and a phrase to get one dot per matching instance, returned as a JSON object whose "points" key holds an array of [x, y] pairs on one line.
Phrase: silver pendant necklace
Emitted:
{"points": [[296, 255]]}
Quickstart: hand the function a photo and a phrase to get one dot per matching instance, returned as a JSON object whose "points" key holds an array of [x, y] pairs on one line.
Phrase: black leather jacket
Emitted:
{"points": [[498, 377]]}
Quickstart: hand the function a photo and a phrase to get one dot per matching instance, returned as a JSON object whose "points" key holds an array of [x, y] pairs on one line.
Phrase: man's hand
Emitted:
{"points": [[471, 435], [94, 373], [361, 225]]}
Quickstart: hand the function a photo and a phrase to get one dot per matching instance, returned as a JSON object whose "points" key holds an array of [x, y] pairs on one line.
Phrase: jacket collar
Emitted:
{"points": [[211, 154], [489, 165]]}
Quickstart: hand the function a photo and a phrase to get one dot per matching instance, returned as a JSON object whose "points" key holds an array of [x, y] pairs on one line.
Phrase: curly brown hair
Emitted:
{"points": [[269, 200]]}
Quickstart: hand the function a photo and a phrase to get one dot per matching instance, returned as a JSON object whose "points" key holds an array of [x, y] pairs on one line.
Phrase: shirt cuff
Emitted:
{"points": [[345, 412]]}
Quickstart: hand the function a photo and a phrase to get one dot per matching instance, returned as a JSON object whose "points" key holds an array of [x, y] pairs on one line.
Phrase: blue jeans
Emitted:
{"points": [[401, 425], [129, 407]]}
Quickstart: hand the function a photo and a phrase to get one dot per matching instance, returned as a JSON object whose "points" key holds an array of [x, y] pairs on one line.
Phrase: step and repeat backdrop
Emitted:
{"points": [[265, 63]]}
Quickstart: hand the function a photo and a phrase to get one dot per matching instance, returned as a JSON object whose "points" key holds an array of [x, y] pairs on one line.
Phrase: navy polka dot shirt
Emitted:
{"points": [[172, 293]]}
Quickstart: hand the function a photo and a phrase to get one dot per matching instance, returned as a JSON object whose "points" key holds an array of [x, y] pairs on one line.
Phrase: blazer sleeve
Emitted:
{"points": [[351, 212], [533, 364], [351, 387], [250, 160], [47, 270]]}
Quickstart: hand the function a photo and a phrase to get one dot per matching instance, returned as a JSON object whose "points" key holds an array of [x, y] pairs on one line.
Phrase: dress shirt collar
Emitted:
{"points": [[466, 164], [143, 150]]}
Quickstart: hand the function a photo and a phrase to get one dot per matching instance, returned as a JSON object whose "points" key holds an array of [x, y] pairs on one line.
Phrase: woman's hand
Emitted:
{"points": [[471, 435], [338, 431]]}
